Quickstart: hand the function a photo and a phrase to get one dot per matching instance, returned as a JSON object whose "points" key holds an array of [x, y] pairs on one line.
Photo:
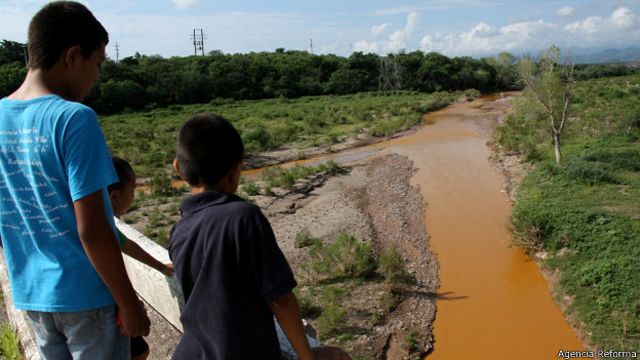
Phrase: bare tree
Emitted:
{"points": [[550, 88], [391, 73]]}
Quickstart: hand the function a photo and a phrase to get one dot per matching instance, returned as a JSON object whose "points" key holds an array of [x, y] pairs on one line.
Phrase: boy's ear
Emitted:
{"points": [[71, 55], [177, 168], [113, 196]]}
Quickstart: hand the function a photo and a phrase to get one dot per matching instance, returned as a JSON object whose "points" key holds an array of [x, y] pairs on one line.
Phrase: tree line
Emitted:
{"points": [[151, 81]]}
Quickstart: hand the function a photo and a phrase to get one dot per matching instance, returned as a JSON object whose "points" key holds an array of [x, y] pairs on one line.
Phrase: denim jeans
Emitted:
{"points": [[91, 334]]}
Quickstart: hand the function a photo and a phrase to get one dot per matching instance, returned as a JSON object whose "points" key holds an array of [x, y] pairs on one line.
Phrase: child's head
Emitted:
{"points": [[122, 192], [59, 26], [209, 147]]}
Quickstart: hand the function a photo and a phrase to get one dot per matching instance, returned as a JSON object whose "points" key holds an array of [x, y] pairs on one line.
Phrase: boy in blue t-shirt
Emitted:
{"points": [[56, 221], [233, 274]]}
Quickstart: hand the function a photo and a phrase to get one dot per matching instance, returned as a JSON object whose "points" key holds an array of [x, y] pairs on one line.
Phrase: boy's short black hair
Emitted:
{"points": [[208, 147], [125, 173], [58, 26]]}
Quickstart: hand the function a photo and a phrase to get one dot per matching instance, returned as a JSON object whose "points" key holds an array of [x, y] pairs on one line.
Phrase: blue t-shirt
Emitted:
{"points": [[52, 153]]}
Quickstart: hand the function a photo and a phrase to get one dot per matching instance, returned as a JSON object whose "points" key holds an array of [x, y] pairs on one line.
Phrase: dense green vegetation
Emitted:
{"points": [[585, 212], [149, 82], [147, 139]]}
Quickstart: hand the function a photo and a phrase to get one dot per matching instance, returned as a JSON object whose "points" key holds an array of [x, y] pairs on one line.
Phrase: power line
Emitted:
{"points": [[117, 52], [198, 41]]}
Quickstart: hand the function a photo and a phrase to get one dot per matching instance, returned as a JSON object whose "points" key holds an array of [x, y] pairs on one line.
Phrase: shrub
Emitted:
{"points": [[307, 308], [332, 317], [392, 267], [304, 238], [162, 237], [268, 191], [332, 167], [160, 184], [258, 134], [344, 257], [351, 257], [251, 188]]}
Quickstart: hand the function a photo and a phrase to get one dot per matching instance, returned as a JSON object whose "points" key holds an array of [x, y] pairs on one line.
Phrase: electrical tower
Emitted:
{"points": [[311, 46], [117, 52], [198, 41]]}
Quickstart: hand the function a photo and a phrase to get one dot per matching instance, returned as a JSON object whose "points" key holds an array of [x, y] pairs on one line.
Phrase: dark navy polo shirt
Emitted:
{"points": [[226, 257]]}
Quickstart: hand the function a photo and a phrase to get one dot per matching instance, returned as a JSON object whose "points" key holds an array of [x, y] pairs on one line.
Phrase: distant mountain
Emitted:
{"points": [[609, 56]]}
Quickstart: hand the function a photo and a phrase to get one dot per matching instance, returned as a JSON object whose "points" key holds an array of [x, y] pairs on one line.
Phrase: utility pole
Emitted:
{"points": [[198, 41], [117, 52], [311, 46]]}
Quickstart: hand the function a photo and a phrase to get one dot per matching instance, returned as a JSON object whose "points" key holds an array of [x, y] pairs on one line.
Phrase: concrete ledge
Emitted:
{"points": [[161, 292]]}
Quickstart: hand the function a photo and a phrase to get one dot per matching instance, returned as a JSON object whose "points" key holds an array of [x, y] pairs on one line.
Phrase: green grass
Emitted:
{"points": [[336, 272], [345, 257], [590, 207], [10, 348], [147, 139], [586, 212]]}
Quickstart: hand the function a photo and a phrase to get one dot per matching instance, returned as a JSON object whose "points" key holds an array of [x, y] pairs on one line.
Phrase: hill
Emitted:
{"points": [[609, 56]]}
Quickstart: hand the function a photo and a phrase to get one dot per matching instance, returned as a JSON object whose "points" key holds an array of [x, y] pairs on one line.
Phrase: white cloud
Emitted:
{"points": [[607, 31], [396, 41], [379, 29], [533, 36], [624, 19], [412, 22], [484, 31], [185, 4], [566, 12], [483, 39], [366, 47]]}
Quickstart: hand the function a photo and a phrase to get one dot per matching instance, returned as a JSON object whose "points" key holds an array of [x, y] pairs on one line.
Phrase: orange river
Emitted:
{"points": [[493, 302]]}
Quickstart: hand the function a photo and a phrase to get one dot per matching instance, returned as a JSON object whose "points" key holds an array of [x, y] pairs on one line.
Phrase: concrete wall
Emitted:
{"points": [[161, 292]]}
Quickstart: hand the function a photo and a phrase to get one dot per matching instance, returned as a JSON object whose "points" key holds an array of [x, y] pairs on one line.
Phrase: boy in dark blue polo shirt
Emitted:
{"points": [[233, 274]]}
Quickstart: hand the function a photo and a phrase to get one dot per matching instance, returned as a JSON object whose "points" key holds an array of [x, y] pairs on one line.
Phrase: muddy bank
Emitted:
{"points": [[397, 211], [375, 203]]}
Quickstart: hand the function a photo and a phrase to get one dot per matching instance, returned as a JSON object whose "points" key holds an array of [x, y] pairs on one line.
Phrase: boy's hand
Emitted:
{"points": [[168, 270], [134, 321], [329, 353]]}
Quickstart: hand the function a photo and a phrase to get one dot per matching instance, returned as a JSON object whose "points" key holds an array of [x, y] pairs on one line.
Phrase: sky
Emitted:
{"points": [[474, 28]]}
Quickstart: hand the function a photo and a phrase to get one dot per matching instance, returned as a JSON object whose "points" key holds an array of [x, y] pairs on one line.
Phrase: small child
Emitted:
{"points": [[233, 274], [121, 195]]}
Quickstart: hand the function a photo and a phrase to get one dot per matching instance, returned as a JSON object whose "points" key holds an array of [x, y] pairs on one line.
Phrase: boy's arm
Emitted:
{"points": [[101, 246], [135, 251], [287, 312]]}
